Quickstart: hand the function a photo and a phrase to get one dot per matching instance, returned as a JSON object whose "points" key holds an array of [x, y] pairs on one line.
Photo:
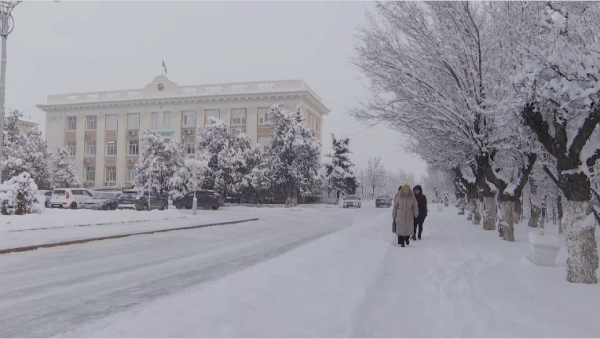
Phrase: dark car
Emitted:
{"points": [[138, 200], [103, 201], [205, 199], [383, 201]]}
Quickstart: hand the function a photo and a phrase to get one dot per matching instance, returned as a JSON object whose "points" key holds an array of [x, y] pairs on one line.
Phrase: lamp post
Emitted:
{"points": [[7, 24]]}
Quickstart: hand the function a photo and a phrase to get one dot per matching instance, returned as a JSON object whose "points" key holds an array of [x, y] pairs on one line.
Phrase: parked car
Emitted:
{"points": [[103, 201], [384, 201], [205, 199], [138, 200], [352, 201], [72, 198], [47, 196]]}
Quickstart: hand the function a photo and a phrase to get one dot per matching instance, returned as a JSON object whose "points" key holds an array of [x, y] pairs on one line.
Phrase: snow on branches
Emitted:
{"points": [[339, 175]]}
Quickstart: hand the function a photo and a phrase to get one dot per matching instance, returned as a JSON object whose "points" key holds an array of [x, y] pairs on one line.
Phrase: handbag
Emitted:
{"points": [[394, 226]]}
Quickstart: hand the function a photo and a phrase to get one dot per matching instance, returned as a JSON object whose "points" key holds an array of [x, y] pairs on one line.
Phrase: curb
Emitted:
{"points": [[83, 241]]}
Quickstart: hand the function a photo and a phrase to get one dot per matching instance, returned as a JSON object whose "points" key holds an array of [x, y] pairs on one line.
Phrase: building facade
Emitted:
{"points": [[101, 130], [26, 126]]}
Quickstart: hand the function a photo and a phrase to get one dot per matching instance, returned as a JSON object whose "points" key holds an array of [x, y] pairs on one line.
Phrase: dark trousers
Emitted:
{"points": [[418, 222]]}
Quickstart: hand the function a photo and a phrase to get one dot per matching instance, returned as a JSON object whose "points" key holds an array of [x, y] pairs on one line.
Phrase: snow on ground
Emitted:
{"points": [[459, 281], [53, 218], [53, 290], [69, 225]]}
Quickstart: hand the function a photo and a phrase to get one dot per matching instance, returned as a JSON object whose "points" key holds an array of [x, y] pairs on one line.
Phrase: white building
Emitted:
{"points": [[26, 126], [102, 129]]}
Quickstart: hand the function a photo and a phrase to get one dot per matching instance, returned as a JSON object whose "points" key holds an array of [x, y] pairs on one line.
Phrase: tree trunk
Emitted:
{"points": [[581, 242], [461, 205], [489, 215], [518, 211], [536, 211], [337, 198], [506, 225], [289, 200], [559, 212], [475, 211]]}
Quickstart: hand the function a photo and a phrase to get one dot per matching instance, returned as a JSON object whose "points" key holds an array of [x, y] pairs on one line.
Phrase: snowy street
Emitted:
{"points": [[309, 271], [49, 291]]}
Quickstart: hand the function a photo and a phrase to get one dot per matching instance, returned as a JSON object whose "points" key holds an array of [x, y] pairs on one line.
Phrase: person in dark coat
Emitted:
{"points": [[422, 200]]}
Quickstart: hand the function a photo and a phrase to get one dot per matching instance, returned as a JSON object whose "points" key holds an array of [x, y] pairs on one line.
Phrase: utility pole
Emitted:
{"points": [[7, 24]]}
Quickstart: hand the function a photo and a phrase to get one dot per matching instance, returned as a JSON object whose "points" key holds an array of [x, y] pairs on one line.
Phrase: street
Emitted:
{"points": [[50, 291]]}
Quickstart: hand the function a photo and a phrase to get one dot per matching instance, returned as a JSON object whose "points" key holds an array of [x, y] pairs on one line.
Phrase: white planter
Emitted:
{"points": [[543, 249]]}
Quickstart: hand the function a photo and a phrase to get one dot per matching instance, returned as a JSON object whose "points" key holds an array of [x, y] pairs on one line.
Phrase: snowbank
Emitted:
{"points": [[52, 218]]}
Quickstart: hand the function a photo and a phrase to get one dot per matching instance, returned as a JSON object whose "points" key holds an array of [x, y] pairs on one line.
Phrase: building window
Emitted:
{"points": [[189, 118], [238, 116], [90, 148], [167, 119], [263, 115], [112, 122], [71, 147], [91, 122], [189, 145], [90, 173], [111, 148], [154, 116], [133, 121], [111, 174], [71, 123], [215, 113], [265, 143], [130, 173], [133, 147]]}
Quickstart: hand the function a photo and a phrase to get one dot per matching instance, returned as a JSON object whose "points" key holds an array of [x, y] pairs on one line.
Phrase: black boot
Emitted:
{"points": [[401, 241], [419, 237], [407, 240], [415, 237]]}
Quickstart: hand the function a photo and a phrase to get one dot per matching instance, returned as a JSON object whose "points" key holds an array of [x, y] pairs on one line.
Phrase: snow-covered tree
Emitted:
{"points": [[557, 84], [161, 159], [13, 152], [17, 195], [38, 159], [375, 174], [339, 174], [63, 173], [294, 153], [260, 182], [210, 143]]}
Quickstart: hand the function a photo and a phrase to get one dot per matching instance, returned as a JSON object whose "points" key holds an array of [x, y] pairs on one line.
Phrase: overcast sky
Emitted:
{"points": [[96, 46]]}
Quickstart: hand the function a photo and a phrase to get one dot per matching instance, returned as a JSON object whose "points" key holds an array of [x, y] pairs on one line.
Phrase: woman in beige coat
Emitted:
{"points": [[406, 208]]}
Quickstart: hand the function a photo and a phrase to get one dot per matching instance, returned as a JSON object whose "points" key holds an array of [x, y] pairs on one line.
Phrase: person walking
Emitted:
{"points": [[420, 218], [406, 208]]}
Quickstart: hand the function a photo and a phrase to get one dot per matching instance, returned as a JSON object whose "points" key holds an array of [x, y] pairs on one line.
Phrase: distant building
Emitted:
{"points": [[102, 129], [26, 126]]}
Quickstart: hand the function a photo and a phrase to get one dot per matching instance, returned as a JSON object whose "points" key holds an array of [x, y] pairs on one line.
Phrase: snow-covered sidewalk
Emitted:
{"points": [[458, 281], [56, 226]]}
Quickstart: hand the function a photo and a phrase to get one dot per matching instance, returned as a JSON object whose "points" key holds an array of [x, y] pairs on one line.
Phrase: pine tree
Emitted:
{"points": [[339, 174], [209, 143], [294, 153], [38, 159], [63, 172], [13, 149]]}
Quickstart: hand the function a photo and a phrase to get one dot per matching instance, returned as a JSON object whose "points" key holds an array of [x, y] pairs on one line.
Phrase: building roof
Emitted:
{"points": [[162, 90]]}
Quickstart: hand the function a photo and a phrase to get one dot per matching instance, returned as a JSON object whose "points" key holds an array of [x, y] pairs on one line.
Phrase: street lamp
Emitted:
{"points": [[7, 24]]}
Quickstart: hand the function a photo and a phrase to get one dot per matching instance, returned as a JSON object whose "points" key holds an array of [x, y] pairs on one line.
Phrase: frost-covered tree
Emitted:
{"points": [[17, 195], [260, 182], [339, 175], [161, 159], [210, 143], [557, 84], [62, 167], [14, 152], [37, 159], [375, 174], [294, 153]]}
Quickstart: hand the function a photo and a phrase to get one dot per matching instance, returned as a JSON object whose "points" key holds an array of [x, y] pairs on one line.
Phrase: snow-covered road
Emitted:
{"points": [[51, 291]]}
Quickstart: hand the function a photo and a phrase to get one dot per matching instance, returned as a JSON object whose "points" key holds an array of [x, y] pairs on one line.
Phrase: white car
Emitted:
{"points": [[352, 201], [72, 198]]}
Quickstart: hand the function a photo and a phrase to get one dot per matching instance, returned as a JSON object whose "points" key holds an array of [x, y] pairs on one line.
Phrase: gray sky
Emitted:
{"points": [[94, 46]]}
